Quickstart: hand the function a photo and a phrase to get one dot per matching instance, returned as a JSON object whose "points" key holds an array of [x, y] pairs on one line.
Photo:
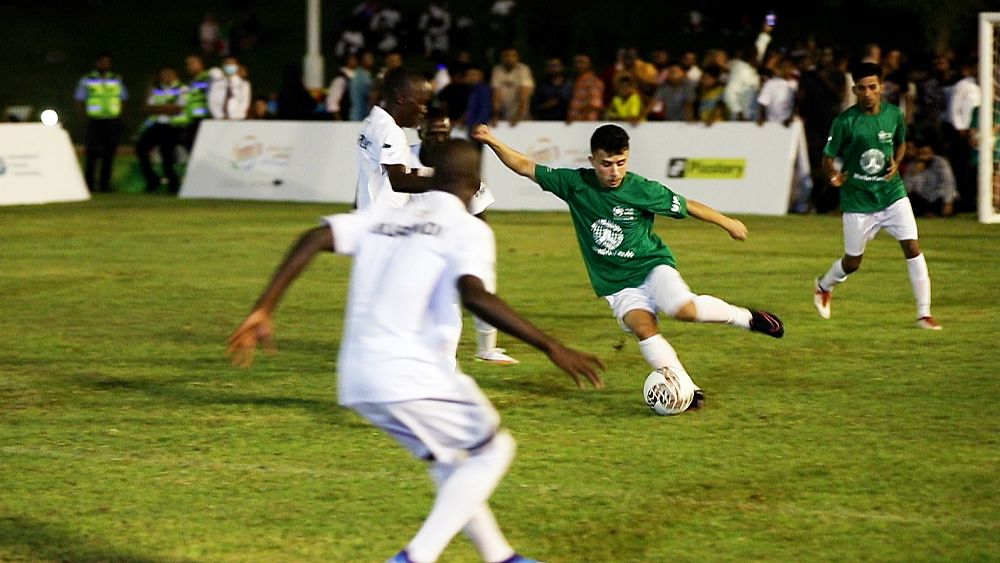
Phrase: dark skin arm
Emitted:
{"points": [[495, 311], [257, 327], [406, 182]]}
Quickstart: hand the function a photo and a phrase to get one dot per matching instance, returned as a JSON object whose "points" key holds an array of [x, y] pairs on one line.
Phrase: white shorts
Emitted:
{"points": [[443, 430], [897, 220], [664, 290]]}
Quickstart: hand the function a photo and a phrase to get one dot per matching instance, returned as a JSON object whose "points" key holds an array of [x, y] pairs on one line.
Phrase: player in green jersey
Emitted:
{"points": [[869, 139], [612, 211]]}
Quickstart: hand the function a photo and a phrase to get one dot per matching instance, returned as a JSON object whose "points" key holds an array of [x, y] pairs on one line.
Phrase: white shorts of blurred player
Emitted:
{"points": [[444, 430], [897, 220], [664, 290]]}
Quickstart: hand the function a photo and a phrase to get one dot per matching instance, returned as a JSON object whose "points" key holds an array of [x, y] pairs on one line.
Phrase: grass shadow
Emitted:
{"points": [[32, 540]]}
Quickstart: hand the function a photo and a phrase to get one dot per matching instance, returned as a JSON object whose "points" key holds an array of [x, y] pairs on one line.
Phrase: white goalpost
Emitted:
{"points": [[989, 117]]}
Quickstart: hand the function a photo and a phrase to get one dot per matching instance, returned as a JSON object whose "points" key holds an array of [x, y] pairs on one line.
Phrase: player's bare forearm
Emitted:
{"points": [[512, 159], [257, 327], [404, 181], [702, 212], [498, 313], [309, 244]]}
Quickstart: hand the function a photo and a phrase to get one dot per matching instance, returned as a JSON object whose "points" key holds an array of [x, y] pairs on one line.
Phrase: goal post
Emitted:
{"points": [[989, 118]]}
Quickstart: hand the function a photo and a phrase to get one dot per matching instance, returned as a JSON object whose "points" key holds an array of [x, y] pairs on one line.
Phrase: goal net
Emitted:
{"points": [[989, 118]]}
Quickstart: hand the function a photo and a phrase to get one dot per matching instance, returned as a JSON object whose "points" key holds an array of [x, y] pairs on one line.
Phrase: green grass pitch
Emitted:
{"points": [[126, 436]]}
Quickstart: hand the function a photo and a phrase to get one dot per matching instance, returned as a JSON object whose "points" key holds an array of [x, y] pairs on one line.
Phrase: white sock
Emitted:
{"points": [[461, 496], [659, 353], [710, 309], [486, 336], [920, 279], [833, 276]]}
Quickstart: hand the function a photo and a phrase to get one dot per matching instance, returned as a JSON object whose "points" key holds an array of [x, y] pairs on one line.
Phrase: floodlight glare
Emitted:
{"points": [[50, 117]]}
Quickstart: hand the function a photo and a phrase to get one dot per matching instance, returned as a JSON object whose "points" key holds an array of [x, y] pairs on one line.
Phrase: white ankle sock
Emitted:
{"points": [[486, 336], [920, 279], [710, 309], [833, 276], [462, 496]]}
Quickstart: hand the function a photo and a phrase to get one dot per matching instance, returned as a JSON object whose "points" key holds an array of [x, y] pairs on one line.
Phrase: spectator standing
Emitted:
{"points": [[209, 35], [512, 85], [777, 100], [932, 97], [551, 99], [742, 87], [821, 89], [480, 106], [384, 26], [162, 130], [352, 39], [435, 23], [689, 62], [965, 98], [360, 87], [294, 101], [230, 94], [196, 98], [100, 95], [929, 181], [674, 99], [338, 100], [587, 99], [455, 96]]}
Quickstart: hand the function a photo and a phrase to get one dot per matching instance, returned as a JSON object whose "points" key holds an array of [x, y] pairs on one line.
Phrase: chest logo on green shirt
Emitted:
{"points": [[608, 236], [872, 161], [623, 213], [885, 136]]}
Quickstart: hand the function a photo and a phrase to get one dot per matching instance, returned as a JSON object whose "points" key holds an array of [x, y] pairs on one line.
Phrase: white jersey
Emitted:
{"points": [[402, 324], [479, 202], [380, 143]]}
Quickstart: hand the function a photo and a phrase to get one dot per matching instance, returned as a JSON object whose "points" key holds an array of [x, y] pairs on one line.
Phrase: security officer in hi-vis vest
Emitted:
{"points": [[196, 104], [100, 95], [163, 130]]}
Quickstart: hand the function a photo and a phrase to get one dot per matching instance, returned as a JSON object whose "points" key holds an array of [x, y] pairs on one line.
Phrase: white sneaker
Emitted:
{"points": [[496, 356], [928, 323], [821, 299]]}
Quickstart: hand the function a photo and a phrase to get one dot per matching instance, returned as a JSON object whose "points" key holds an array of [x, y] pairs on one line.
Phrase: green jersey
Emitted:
{"points": [[614, 226], [866, 144]]}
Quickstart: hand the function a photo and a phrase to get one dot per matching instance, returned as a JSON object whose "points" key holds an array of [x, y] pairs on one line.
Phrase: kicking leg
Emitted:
{"points": [[482, 529], [837, 273], [673, 297]]}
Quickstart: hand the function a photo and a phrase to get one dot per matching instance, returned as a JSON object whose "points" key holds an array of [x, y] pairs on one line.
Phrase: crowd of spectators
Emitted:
{"points": [[755, 80]]}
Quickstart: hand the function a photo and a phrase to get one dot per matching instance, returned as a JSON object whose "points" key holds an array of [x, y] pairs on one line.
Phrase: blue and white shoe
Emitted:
{"points": [[520, 559], [400, 557]]}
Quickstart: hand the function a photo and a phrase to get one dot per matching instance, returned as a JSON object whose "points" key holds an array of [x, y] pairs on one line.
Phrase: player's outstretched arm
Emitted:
{"points": [[734, 227], [257, 328], [495, 311], [512, 159]]}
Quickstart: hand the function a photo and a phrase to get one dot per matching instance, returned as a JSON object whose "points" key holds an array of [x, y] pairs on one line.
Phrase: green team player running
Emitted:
{"points": [[613, 211], [868, 138]]}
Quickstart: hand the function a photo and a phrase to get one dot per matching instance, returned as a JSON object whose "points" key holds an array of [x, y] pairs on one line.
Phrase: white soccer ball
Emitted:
{"points": [[668, 391]]}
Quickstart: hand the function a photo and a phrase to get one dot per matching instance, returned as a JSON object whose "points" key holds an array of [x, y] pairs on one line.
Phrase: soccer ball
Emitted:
{"points": [[668, 391]]}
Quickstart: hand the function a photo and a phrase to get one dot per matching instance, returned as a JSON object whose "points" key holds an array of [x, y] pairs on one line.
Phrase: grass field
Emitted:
{"points": [[126, 436]]}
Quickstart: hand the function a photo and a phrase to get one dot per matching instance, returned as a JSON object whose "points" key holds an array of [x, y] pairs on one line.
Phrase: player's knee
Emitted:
{"points": [[687, 312], [851, 264], [911, 248], [503, 446]]}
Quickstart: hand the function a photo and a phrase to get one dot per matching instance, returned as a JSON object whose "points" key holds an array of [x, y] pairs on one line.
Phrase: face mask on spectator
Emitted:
{"points": [[230, 69]]}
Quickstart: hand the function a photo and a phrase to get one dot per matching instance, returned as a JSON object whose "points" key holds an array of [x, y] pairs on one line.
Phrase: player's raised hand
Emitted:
{"points": [[481, 133], [837, 179], [256, 329], [737, 229], [577, 364]]}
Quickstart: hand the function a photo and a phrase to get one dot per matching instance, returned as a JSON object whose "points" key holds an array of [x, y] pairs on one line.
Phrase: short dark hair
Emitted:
{"points": [[398, 80], [612, 139], [435, 111], [864, 70]]}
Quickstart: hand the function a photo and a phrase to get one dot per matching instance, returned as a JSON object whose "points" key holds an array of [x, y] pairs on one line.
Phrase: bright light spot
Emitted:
{"points": [[50, 117]]}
